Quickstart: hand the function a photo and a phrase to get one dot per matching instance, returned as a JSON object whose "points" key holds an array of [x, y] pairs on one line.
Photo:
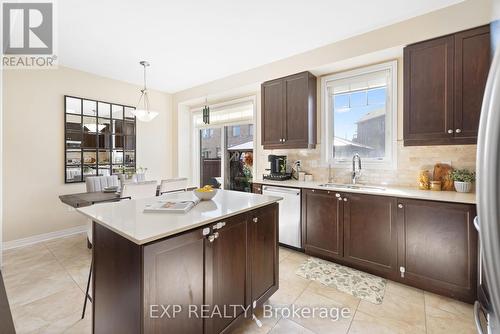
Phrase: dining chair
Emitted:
{"points": [[98, 183], [173, 185], [139, 190]]}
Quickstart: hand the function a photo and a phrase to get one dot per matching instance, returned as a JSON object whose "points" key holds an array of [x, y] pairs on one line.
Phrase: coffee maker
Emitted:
{"points": [[277, 168]]}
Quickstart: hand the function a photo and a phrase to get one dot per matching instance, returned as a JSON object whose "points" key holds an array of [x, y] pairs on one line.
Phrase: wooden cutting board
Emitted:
{"points": [[442, 173]]}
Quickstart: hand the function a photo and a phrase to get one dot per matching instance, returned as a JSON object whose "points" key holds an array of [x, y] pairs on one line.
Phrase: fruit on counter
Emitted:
{"points": [[205, 189], [424, 180]]}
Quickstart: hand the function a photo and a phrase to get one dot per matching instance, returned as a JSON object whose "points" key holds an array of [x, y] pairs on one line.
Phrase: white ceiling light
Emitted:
{"points": [[142, 111]]}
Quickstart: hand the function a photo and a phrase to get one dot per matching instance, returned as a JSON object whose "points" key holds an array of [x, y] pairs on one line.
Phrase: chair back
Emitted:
{"points": [[171, 185], [139, 190], [98, 183]]}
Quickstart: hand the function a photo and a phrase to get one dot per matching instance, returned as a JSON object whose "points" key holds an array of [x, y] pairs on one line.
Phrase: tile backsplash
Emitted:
{"points": [[410, 160]]}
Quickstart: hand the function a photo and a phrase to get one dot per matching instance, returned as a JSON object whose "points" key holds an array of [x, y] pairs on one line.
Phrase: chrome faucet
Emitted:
{"points": [[355, 174]]}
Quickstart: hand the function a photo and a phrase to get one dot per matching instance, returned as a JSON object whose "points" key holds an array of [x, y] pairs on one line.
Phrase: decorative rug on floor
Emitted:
{"points": [[357, 283]]}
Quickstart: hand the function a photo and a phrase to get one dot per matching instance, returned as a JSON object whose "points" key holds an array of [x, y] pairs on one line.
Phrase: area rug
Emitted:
{"points": [[357, 283]]}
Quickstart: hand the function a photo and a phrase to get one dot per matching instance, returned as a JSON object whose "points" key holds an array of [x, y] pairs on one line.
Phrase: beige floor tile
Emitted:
{"points": [[299, 256], [52, 314], [30, 285], [319, 323], [285, 326], [402, 290], [81, 327], [288, 268], [289, 290], [70, 250], [284, 253], [367, 324], [249, 326], [445, 315], [403, 311], [20, 259]]}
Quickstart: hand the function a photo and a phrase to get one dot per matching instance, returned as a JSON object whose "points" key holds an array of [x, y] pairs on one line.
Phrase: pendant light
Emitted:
{"points": [[142, 111]]}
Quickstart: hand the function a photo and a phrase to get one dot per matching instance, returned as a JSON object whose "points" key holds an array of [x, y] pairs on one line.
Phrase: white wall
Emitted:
{"points": [[33, 133]]}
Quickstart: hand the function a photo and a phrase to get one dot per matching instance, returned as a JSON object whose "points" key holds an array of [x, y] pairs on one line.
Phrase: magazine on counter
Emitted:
{"points": [[171, 206]]}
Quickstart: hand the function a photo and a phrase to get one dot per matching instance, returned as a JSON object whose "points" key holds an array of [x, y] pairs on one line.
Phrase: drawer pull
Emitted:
{"points": [[400, 206], [255, 219]]}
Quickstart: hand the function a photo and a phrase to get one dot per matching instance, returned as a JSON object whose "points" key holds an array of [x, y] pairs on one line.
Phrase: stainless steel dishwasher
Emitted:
{"points": [[289, 211]]}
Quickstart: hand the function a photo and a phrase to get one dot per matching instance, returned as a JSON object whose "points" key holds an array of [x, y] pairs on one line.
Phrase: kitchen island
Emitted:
{"points": [[203, 271]]}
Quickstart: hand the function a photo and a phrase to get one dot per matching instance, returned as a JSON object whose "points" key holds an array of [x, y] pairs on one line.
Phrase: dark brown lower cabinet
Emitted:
{"points": [[426, 244], [221, 269], [322, 223], [264, 258], [226, 274], [438, 247], [370, 235]]}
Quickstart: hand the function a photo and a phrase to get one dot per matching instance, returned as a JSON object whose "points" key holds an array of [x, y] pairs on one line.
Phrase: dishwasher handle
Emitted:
{"points": [[281, 190]]}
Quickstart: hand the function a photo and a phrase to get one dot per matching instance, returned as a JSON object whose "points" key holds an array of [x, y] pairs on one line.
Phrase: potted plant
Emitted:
{"points": [[462, 180]]}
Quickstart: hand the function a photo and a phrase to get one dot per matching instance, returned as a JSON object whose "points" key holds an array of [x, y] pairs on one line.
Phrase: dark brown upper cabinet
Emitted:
{"points": [[289, 112], [444, 81]]}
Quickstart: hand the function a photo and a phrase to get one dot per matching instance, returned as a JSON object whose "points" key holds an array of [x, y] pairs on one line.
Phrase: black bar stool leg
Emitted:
{"points": [[87, 292]]}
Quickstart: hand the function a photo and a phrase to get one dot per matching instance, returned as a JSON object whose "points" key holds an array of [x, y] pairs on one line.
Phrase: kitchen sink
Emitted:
{"points": [[350, 186]]}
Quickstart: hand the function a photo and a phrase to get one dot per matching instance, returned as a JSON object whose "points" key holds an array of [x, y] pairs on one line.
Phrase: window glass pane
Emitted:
{"points": [[117, 141], [104, 141], [129, 128], [239, 141], [73, 157], [73, 139], [90, 140], [128, 112], [89, 124], [104, 109], [89, 157], [117, 157], [104, 170], [210, 150], [117, 111], [118, 169], [104, 125], [89, 170], [129, 142], [104, 157], [89, 108], [73, 174], [359, 123], [73, 122], [73, 105], [117, 126], [129, 157]]}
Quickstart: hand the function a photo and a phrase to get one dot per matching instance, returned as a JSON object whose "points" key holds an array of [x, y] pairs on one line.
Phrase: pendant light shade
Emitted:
{"points": [[142, 111]]}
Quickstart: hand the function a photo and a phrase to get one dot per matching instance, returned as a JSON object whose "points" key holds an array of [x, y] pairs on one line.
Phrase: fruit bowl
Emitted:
{"points": [[206, 193]]}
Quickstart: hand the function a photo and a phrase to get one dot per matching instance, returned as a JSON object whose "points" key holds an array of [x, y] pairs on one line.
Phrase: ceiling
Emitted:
{"points": [[191, 42]]}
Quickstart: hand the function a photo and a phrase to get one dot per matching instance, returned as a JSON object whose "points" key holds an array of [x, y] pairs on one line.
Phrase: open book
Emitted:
{"points": [[171, 206]]}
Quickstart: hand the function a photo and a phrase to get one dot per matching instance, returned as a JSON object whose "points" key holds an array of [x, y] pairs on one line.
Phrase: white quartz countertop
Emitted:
{"points": [[402, 192], [128, 219]]}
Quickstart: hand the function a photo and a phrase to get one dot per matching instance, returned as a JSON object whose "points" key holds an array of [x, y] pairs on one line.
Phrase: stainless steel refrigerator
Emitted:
{"points": [[487, 306]]}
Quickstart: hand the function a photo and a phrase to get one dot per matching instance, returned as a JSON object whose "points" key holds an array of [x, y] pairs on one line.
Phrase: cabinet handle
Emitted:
{"points": [[284, 140], [402, 270], [458, 130], [313, 191], [337, 195], [400, 206], [212, 237], [450, 131], [345, 199], [219, 225], [339, 198], [255, 219], [206, 231]]}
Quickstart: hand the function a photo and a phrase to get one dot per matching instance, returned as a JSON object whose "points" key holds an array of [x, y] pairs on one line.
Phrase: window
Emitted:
{"points": [[236, 131], [99, 138], [359, 115]]}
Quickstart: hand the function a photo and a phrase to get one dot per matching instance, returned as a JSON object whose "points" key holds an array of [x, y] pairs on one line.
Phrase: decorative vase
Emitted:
{"points": [[463, 187]]}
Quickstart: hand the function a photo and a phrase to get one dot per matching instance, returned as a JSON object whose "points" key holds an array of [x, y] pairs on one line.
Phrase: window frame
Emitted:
{"points": [[391, 117]]}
